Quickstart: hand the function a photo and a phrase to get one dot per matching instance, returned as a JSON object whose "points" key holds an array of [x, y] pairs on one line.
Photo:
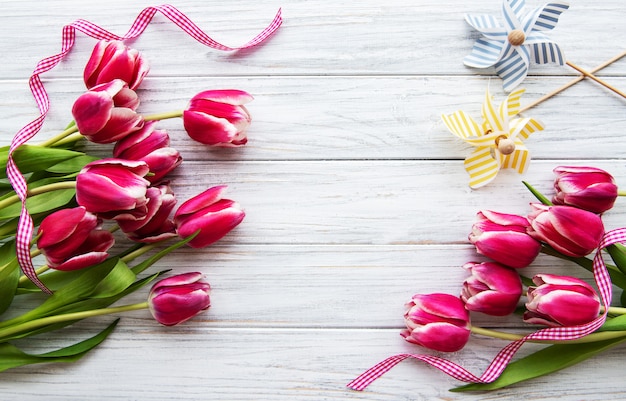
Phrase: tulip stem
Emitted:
{"points": [[38, 191], [57, 138], [8, 332], [23, 279], [621, 192], [598, 336], [138, 252], [163, 116]]}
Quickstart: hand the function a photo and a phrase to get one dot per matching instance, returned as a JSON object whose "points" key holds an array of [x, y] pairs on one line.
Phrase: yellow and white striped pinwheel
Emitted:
{"points": [[498, 140]]}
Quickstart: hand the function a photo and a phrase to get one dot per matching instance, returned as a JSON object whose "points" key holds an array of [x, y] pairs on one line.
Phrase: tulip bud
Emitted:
{"points": [[177, 299], [155, 225], [113, 188], [72, 239], [151, 146], [113, 60], [492, 288], [106, 113], [571, 231], [207, 212], [437, 321], [586, 188], [561, 301], [218, 117], [503, 238]]}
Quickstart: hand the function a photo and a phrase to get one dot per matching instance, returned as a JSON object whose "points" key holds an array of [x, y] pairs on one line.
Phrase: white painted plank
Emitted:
{"points": [[309, 118], [318, 37]]}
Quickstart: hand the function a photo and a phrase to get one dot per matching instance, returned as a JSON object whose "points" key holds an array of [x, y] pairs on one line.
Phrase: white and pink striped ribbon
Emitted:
{"points": [[502, 359], [25, 226]]}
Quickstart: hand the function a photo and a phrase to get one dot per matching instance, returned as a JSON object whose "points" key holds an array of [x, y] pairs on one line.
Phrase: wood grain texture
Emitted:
{"points": [[354, 191]]}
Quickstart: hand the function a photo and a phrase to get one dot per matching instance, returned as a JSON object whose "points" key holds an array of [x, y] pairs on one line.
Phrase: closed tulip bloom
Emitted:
{"points": [[492, 288], [72, 239], [437, 321], [156, 225], [571, 231], [177, 299], [113, 188], [151, 146], [218, 117], [113, 60], [586, 188], [503, 238], [106, 113], [208, 213], [561, 301]]}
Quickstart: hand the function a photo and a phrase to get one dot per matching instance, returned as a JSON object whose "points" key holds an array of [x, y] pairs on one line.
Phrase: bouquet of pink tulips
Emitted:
{"points": [[565, 311], [78, 201]]}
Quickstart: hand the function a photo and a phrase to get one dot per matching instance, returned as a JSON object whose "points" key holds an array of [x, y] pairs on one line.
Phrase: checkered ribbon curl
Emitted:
{"points": [[25, 226], [499, 363]]}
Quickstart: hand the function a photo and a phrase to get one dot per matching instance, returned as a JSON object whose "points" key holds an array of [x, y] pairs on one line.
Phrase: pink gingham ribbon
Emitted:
{"points": [[502, 359], [25, 226]]}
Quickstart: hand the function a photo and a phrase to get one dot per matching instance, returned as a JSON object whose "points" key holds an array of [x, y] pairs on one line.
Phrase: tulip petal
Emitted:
{"points": [[208, 129], [92, 111], [230, 96]]}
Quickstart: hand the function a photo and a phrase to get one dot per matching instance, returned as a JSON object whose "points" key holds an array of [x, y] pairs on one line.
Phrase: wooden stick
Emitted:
{"points": [[571, 83], [598, 80]]}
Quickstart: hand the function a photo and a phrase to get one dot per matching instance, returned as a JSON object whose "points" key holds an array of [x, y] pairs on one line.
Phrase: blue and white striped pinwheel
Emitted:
{"points": [[511, 48]]}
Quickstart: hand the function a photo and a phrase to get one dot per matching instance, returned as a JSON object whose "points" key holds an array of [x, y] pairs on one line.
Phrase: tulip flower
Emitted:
{"points": [[209, 214], [113, 60], [72, 239], [586, 188], [179, 298], [492, 288], [571, 231], [155, 225], [561, 301], [437, 321], [113, 188], [106, 113], [151, 146], [503, 238], [218, 117]]}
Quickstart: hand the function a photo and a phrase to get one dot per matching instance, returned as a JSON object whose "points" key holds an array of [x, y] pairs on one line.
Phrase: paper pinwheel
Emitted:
{"points": [[498, 139], [511, 48]]}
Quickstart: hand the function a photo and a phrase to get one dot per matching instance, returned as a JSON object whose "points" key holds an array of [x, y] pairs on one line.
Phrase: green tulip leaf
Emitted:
{"points": [[115, 282], [40, 203], [9, 275], [543, 362], [617, 323], [150, 261], [12, 357], [73, 165], [31, 158], [618, 254], [540, 197]]}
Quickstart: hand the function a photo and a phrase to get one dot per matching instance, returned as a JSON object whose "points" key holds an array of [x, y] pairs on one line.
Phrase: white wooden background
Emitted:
{"points": [[355, 193]]}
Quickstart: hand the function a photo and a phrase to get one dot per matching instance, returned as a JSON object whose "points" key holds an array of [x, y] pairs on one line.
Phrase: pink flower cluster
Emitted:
{"points": [[130, 188], [571, 225]]}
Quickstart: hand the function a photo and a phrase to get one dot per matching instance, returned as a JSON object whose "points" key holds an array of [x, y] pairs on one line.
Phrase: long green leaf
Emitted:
{"points": [[543, 362], [40, 203], [618, 254], [12, 357], [153, 259], [31, 158], [9, 275]]}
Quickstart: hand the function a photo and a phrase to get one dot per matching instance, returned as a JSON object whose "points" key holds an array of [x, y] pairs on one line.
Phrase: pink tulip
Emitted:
{"points": [[218, 117], [437, 321], [561, 301], [492, 288], [113, 188], [151, 146], [208, 213], [72, 239], [586, 188], [155, 225], [177, 299], [106, 113], [571, 231], [113, 60], [503, 238]]}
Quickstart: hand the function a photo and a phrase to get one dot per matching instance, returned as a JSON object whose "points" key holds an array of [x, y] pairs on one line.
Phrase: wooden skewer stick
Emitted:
{"points": [[598, 80], [571, 83]]}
